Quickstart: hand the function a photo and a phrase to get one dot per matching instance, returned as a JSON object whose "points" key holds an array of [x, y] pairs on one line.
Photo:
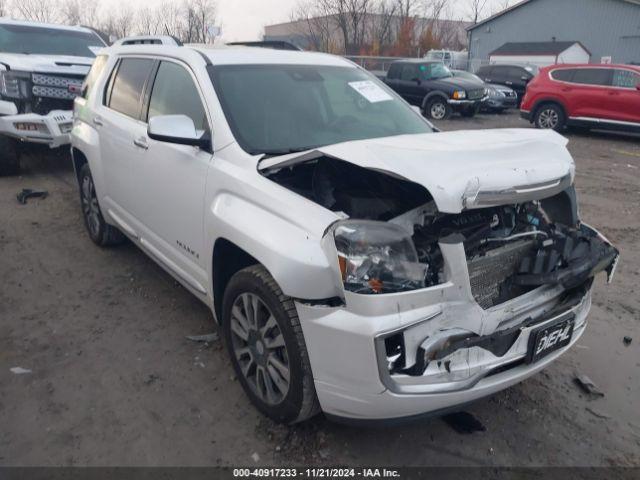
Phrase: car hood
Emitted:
{"points": [[463, 169], [456, 82], [500, 88], [47, 63]]}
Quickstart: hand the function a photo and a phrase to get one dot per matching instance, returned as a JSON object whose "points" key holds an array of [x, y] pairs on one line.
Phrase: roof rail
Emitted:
{"points": [[274, 44], [149, 40]]}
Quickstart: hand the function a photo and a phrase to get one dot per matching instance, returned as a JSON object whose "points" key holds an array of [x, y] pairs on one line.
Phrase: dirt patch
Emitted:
{"points": [[114, 381]]}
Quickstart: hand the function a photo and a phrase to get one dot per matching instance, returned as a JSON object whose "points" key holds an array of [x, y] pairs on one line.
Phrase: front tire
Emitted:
{"points": [[550, 117], [99, 231], [438, 109], [264, 338], [9, 156]]}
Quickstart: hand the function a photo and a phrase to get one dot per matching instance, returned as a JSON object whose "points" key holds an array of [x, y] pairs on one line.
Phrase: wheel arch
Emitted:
{"points": [[547, 101], [227, 260], [428, 97]]}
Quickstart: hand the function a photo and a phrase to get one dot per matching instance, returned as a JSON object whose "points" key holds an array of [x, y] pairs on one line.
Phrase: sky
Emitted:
{"points": [[245, 19]]}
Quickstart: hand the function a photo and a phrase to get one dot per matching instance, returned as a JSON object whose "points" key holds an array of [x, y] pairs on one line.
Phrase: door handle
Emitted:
{"points": [[97, 121], [141, 142], [508, 82]]}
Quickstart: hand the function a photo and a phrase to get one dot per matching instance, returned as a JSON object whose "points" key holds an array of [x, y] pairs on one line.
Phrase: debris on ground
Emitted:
{"points": [[597, 413], [464, 422], [627, 341], [19, 370], [255, 457], [586, 384], [208, 338], [27, 193], [151, 378]]}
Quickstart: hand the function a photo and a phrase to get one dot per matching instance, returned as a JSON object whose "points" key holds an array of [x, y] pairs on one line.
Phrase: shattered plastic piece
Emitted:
{"points": [[210, 337], [464, 422], [20, 370], [597, 413], [586, 384], [27, 193], [627, 341]]}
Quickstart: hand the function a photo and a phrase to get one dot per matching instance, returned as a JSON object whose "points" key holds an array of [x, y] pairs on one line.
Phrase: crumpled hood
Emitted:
{"points": [[458, 168], [47, 63]]}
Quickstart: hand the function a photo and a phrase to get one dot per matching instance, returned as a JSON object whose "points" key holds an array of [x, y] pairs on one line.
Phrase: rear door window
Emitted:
{"points": [[128, 86], [394, 71], [565, 75], [592, 76], [409, 72], [484, 71], [175, 93], [625, 79]]}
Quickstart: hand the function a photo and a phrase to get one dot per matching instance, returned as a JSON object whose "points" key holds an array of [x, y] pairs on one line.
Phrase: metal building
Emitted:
{"points": [[608, 29]]}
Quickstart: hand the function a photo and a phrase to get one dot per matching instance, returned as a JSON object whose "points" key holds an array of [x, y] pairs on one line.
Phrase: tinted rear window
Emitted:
{"points": [[626, 79], [562, 75], [128, 85], [592, 76]]}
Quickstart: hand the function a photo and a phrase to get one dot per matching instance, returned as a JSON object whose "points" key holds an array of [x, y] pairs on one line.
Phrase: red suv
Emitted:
{"points": [[592, 96]]}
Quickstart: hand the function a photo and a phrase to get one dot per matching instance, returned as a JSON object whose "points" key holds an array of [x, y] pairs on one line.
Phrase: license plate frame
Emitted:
{"points": [[551, 337]]}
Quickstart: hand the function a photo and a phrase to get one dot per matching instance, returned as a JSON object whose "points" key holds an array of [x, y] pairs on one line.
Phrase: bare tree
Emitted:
{"points": [[381, 26], [38, 10], [4, 8], [503, 5], [477, 8], [315, 24], [149, 21], [77, 12], [118, 23]]}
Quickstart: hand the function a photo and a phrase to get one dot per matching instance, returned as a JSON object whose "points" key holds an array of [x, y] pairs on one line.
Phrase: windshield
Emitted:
{"points": [[435, 71], [277, 109], [47, 41]]}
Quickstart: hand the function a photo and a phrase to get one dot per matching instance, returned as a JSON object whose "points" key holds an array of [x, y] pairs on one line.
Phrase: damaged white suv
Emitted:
{"points": [[42, 67], [358, 261]]}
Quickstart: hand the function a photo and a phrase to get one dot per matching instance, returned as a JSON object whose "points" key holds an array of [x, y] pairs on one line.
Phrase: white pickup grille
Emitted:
{"points": [[56, 86]]}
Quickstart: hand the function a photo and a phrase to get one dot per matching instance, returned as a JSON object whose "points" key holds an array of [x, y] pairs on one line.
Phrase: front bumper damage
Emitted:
{"points": [[52, 129], [467, 351]]}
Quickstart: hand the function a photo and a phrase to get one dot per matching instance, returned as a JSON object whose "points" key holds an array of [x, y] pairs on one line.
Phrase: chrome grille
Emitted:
{"points": [[488, 273], [56, 86], [476, 94]]}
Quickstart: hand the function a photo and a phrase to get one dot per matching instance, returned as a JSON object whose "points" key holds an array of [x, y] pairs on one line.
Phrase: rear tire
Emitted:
{"points": [[9, 156], [550, 116], [267, 349], [99, 231], [438, 109]]}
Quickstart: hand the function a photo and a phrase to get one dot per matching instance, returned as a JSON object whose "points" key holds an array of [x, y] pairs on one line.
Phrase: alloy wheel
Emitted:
{"points": [[548, 118], [259, 348], [438, 111], [90, 207]]}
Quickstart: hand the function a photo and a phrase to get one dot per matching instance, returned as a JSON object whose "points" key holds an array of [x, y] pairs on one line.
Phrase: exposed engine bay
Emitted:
{"points": [[510, 250]]}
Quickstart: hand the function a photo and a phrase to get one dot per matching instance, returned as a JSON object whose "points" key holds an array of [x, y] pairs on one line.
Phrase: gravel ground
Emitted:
{"points": [[114, 381]]}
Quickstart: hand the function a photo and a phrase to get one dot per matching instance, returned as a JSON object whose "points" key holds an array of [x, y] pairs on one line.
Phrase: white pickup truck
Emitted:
{"points": [[42, 68]]}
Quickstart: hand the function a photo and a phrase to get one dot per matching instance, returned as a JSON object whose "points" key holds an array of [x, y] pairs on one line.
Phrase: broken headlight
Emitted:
{"points": [[377, 257]]}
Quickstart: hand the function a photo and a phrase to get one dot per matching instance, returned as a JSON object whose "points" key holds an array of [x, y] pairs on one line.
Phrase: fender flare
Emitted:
{"points": [[429, 96], [544, 100]]}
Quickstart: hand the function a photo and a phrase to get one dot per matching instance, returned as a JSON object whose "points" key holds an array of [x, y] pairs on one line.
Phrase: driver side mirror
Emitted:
{"points": [[178, 129], [638, 87], [417, 80]]}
